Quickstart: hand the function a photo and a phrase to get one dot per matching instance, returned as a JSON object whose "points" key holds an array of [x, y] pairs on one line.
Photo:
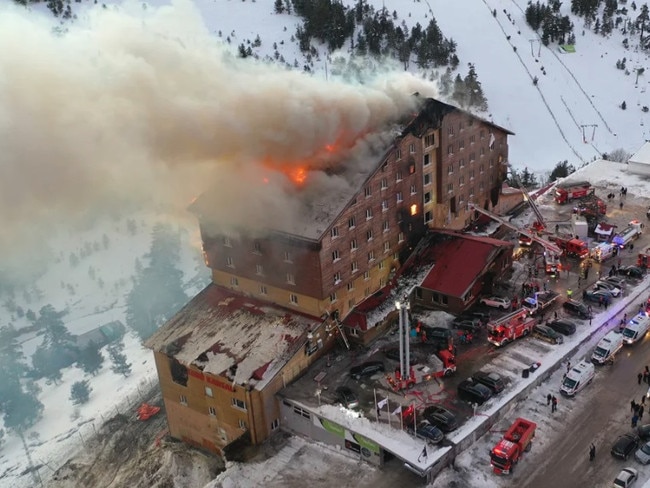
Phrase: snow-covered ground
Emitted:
{"points": [[546, 118]]}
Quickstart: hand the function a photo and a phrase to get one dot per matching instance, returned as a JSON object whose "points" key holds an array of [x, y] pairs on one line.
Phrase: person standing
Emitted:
{"points": [[641, 410], [635, 420], [592, 452], [640, 377], [548, 399], [632, 405], [645, 376], [553, 404]]}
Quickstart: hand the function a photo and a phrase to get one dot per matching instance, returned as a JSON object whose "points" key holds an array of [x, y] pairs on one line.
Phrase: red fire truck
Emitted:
{"points": [[442, 363], [643, 261], [575, 248], [510, 327], [566, 192], [517, 440]]}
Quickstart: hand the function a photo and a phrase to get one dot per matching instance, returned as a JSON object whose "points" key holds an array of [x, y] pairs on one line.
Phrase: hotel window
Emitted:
{"points": [[450, 149], [413, 190], [481, 187], [450, 169], [412, 148], [351, 286], [366, 276], [257, 249], [212, 411], [367, 191], [287, 257], [353, 245], [482, 151], [259, 269], [427, 160], [471, 174], [371, 256], [461, 145], [450, 130], [398, 175], [208, 392], [384, 183], [461, 162], [293, 299], [429, 140], [428, 217], [368, 213], [400, 237], [385, 226], [226, 241], [242, 424], [382, 282], [481, 168], [400, 197], [450, 188], [234, 281], [332, 297], [482, 134], [380, 265], [291, 279], [354, 267], [384, 205], [337, 277], [369, 235], [183, 400], [387, 246], [351, 305], [275, 424], [472, 157], [461, 181], [229, 262], [351, 222], [471, 192], [461, 126], [472, 139], [398, 154], [334, 233], [427, 197], [335, 255], [461, 200], [491, 163], [263, 290]]}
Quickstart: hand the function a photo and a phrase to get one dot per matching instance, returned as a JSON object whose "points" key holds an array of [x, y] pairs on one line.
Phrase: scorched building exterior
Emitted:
{"points": [[344, 248]]}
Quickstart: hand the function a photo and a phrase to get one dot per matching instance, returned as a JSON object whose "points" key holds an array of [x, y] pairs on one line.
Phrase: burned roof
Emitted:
{"points": [[227, 334], [459, 260]]}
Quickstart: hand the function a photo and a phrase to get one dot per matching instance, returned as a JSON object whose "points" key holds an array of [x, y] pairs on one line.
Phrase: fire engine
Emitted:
{"points": [[568, 191], [643, 261], [517, 440], [510, 327], [572, 247], [443, 363], [627, 235]]}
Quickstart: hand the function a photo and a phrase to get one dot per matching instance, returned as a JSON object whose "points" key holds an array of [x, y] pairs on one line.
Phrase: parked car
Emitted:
{"points": [[562, 326], [467, 325], [482, 317], [473, 392], [428, 431], [393, 354], [578, 309], [643, 454], [493, 381], [618, 281], [643, 431], [631, 272], [367, 369], [496, 302], [346, 397], [440, 417], [597, 296], [626, 477], [625, 445], [547, 334], [610, 287]]}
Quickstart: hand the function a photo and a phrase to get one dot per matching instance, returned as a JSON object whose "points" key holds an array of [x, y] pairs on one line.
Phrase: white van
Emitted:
{"points": [[636, 328], [603, 251], [607, 347], [577, 378]]}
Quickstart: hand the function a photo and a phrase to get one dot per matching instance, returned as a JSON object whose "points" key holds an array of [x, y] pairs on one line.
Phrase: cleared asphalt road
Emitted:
{"points": [[602, 414]]}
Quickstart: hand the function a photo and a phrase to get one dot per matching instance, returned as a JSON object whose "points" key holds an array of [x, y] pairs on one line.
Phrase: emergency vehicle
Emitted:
{"points": [[627, 235], [572, 247], [603, 251], [510, 327], [443, 363], [568, 191], [517, 440]]}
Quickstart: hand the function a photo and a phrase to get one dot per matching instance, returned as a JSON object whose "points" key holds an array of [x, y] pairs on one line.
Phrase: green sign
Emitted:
{"points": [[367, 443], [333, 428]]}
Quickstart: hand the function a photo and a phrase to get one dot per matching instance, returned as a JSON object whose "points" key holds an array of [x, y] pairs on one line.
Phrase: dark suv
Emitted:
{"points": [[440, 417], [436, 334], [576, 309], [624, 446], [562, 326], [547, 334], [474, 392], [493, 381], [367, 369]]}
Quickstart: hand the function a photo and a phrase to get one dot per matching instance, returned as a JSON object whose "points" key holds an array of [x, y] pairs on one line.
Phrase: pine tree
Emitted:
{"points": [[22, 410], [55, 333], [460, 92], [561, 170], [476, 98], [120, 364], [90, 359], [80, 392], [642, 20], [279, 6], [12, 365]]}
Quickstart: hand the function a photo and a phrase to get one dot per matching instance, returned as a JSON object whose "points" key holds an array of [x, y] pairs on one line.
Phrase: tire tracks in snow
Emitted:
{"points": [[539, 91]]}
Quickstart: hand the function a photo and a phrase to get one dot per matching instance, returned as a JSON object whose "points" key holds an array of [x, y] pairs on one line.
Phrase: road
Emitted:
{"points": [[602, 415]]}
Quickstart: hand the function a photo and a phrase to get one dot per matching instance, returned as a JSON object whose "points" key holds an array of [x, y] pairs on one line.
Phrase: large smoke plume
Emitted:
{"points": [[145, 105]]}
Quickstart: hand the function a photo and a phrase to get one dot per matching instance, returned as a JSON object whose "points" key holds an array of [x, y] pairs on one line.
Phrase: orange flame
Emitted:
{"points": [[298, 175]]}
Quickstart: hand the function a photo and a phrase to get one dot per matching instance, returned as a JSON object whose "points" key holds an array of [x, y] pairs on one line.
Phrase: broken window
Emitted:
{"points": [[178, 371]]}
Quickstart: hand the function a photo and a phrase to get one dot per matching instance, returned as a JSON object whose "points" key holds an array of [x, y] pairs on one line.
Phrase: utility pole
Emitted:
{"points": [[584, 127]]}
